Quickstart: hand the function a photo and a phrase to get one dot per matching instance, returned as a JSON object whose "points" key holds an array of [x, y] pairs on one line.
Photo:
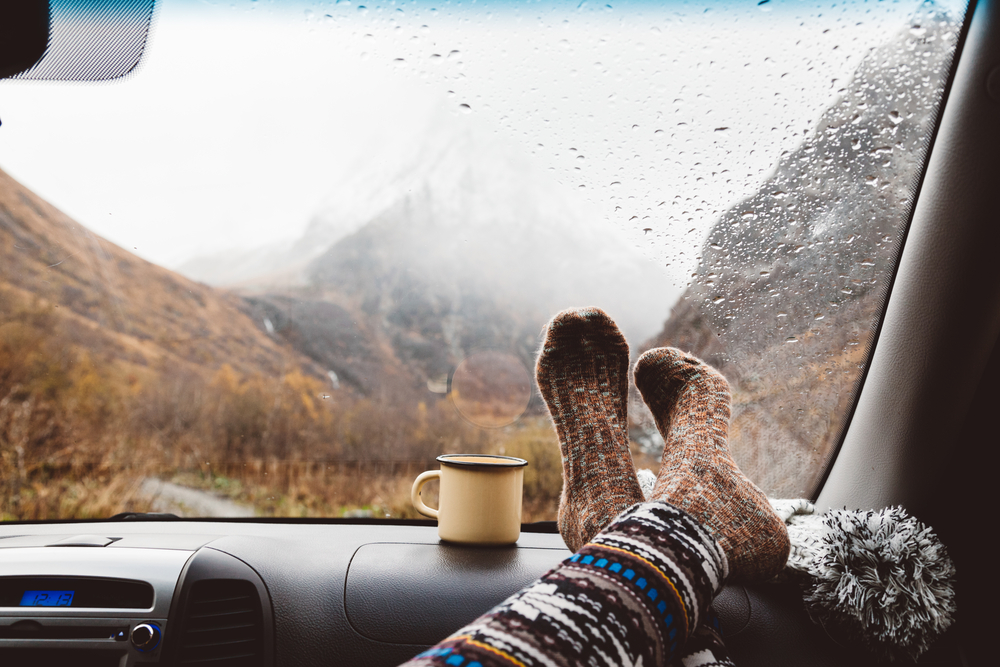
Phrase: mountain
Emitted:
{"points": [[475, 250], [793, 279], [114, 370], [120, 307]]}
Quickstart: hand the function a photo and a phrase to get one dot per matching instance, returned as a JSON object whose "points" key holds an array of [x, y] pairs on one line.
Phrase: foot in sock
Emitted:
{"points": [[691, 404], [582, 372]]}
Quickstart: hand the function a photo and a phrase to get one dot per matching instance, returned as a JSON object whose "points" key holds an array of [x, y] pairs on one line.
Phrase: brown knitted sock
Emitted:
{"points": [[691, 404], [582, 373]]}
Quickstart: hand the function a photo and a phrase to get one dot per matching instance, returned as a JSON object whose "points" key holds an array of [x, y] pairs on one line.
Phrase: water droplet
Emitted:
{"points": [[464, 108], [719, 299], [895, 117]]}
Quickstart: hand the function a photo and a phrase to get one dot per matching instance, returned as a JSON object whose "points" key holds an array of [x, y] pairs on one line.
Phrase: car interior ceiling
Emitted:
{"points": [[922, 435]]}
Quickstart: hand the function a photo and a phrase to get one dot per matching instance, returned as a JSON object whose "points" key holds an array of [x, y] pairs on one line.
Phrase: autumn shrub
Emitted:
{"points": [[81, 428]]}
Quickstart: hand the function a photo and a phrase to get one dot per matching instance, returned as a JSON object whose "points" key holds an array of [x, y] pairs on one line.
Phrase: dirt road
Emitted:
{"points": [[188, 502]]}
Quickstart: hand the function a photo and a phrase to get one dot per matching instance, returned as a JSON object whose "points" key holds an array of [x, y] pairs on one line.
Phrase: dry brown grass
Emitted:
{"points": [[284, 488], [78, 434]]}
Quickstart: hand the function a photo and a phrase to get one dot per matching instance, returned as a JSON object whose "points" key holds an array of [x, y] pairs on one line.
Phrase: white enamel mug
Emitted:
{"points": [[479, 500]]}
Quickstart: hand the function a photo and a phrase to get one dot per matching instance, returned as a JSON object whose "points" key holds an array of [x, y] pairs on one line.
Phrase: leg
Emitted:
{"points": [[582, 372], [691, 404], [633, 596]]}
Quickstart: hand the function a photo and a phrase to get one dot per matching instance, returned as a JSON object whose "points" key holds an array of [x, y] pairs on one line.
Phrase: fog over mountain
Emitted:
{"points": [[459, 212], [463, 245]]}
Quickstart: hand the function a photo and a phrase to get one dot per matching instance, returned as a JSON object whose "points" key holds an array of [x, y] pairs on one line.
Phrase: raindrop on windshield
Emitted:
{"points": [[491, 388]]}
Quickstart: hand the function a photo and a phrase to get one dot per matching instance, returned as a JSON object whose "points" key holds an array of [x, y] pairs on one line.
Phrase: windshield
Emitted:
{"points": [[303, 248]]}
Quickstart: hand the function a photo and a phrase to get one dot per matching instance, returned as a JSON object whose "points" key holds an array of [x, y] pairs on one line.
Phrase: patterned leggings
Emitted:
{"points": [[636, 595]]}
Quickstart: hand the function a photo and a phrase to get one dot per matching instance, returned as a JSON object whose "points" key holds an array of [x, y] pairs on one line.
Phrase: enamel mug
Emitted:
{"points": [[479, 500]]}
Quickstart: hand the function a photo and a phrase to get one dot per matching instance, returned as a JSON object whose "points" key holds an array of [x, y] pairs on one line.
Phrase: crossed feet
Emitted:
{"points": [[582, 373]]}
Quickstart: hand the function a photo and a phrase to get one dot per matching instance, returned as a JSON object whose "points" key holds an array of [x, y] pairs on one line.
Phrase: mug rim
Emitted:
{"points": [[508, 462]]}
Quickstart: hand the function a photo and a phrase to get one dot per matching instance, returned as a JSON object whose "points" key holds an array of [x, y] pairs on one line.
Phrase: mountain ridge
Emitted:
{"points": [[787, 296]]}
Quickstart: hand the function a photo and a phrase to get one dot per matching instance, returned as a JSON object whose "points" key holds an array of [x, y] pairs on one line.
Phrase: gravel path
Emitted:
{"points": [[188, 502]]}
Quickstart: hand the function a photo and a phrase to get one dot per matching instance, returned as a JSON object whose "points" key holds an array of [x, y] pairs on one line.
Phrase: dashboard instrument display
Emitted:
{"points": [[47, 598], [58, 592]]}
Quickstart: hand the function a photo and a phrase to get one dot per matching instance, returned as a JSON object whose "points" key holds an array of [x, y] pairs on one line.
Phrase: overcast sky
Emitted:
{"points": [[244, 117]]}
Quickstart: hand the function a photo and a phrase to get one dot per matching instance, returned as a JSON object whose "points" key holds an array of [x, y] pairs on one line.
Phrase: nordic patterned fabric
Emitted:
{"points": [[632, 596]]}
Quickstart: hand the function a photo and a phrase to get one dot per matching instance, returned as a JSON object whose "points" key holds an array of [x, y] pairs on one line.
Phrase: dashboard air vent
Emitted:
{"points": [[222, 625]]}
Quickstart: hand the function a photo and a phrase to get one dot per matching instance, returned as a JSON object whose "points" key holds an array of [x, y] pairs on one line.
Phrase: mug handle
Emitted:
{"points": [[422, 479]]}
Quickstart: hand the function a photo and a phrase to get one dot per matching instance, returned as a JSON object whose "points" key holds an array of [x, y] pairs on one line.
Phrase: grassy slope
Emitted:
{"points": [[113, 369], [133, 311]]}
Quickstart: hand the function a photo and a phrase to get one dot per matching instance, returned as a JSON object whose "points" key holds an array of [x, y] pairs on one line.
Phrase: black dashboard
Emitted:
{"points": [[268, 593]]}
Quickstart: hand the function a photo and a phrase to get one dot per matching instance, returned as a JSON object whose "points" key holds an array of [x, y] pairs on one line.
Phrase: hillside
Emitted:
{"points": [[792, 279], [114, 371], [118, 306]]}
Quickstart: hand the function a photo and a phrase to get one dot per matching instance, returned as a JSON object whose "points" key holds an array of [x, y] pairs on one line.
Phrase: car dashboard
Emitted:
{"points": [[295, 593]]}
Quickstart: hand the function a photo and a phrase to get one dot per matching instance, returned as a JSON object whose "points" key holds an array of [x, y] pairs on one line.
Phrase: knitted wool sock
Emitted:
{"points": [[691, 404], [582, 372], [630, 597]]}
